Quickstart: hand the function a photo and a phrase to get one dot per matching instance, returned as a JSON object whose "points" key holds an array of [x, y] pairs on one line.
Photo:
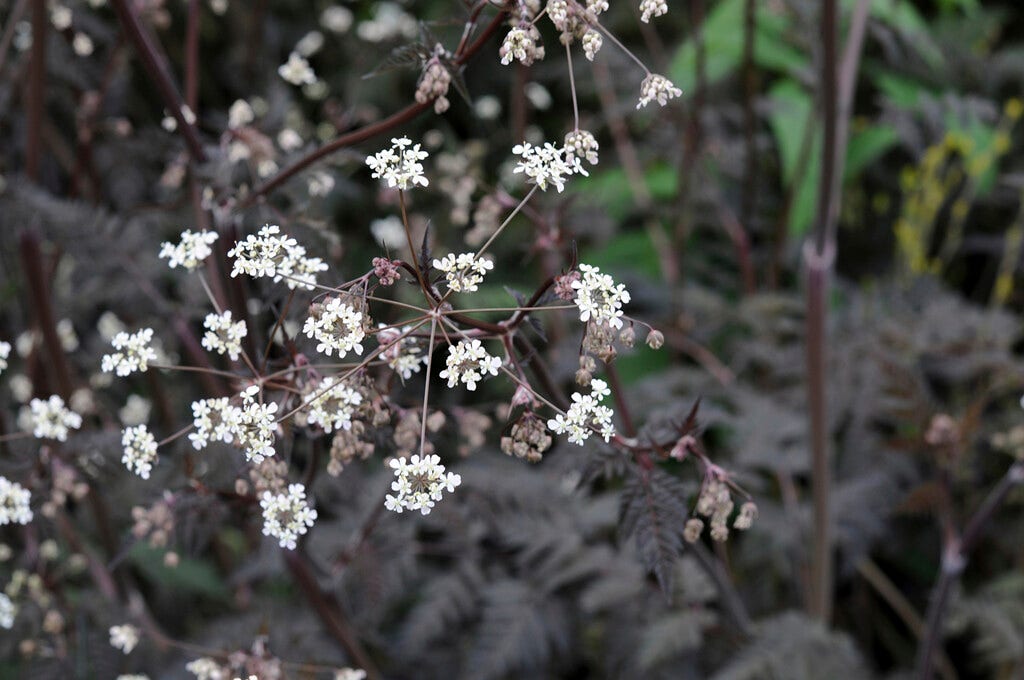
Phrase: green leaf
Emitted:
{"points": [[632, 249], [903, 17], [191, 576], [867, 146], [723, 45], [611, 188], [791, 114], [901, 91]]}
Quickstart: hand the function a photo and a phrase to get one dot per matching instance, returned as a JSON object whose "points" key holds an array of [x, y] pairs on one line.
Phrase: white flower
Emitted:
{"points": [[190, 252], [288, 139], [320, 183], [14, 503], [124, 637], [240, 114], [657, 88], [581, 144], [337, 327], [336, 19], [545, 165], [598, 297], [297, 70], [400, 165], [521, 44], [350, 674], [586, 414], [286, 516], [332, 405], [469, 362], [270, 254], [404, 356], [134, 353], [50, 419], [464, 272], [652, 8], [214, 420], [5, 352], [389, 232], [139, 450], [254, 430], [206, 668], [419, 483], [592, 42], [259, 254], [133, 676], [8, 611], [224, 336]]}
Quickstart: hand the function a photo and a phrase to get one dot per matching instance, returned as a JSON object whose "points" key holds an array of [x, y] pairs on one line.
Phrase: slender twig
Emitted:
{"points": [[155, 63], [370, 131], [35, 103], [819, 259]]}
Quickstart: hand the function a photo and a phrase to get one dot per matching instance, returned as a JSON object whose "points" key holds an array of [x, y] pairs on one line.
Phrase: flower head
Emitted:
{"points": [[286, 516], [521, 44], [133, 353], [337, 327], [124, 637], [50, 419], [419, 483], [139, 450], [402, 354], [400, 165], [14, 503], [8, 610], [5, 352], [585, 415], [581, 144], [260, 254], [333, 404], [190, 252], [657, 88], [652, 8], [598, 297], [545, 165], [255, 427], [297, 70], [213, 420], [468, 362], [224, 336], [463, 272]]}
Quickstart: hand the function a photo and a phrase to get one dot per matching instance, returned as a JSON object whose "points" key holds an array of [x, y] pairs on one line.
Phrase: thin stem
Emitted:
{"points": [[572, 88], [622, 47], [505, 223], [408, 239], [277, 325], [426, 384], [35, 103]]}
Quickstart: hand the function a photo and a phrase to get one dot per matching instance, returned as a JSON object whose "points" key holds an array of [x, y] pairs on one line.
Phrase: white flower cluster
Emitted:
{"points": [[350, 674], [297, 70], [598, 297], [206, 668], [592, 42], [585, 414], [657, 88], [5, 352], [240, 114], [463, 272], [420, 482], [521, 44], [14, 503], [286, 516], [469, 362], [337, 327], [223, 335], [652, 8], [50, 419], [8, 610], [546, 165], [256, 425], [403, 356], [268, 253], [581, 144], [124, 637], [133, 353], [400, 165], [333, 404], [139, 450], [214, 420], [190, 252]]}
